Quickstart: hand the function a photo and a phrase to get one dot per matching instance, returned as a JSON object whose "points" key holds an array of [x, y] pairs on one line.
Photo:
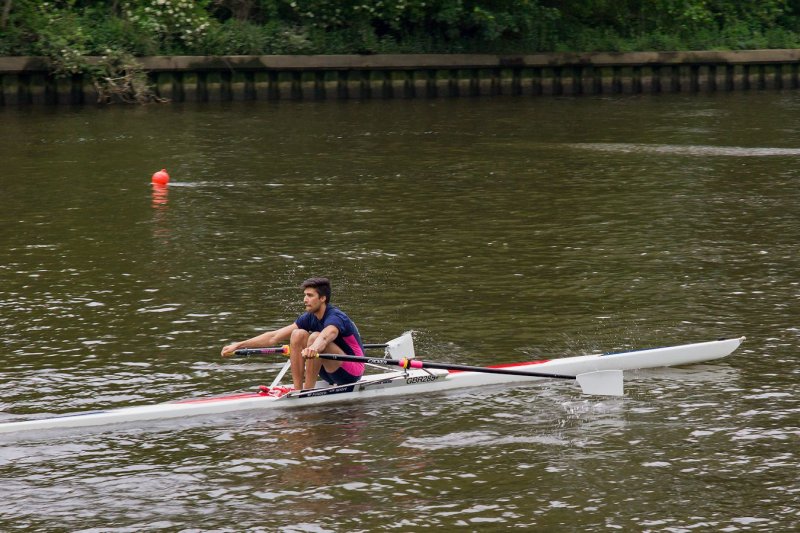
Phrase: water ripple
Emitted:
{"points": [[692, 150]]}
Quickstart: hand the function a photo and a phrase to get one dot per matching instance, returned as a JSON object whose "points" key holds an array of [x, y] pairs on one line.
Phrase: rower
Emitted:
{"points": [[323, 328]]}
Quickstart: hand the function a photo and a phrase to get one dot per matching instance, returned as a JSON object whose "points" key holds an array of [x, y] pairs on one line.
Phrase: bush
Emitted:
{"points": [[66, 30], [234, 37], [180, 25]]}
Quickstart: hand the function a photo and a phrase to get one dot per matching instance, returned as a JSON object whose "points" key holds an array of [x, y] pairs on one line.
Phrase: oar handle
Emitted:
{"points": [[263, 351]]}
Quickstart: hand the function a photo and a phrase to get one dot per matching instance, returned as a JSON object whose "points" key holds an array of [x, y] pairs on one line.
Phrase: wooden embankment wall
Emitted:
{"points": [[26, 81]]}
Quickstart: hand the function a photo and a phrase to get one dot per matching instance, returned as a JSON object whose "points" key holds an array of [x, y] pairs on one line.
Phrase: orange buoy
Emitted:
{"points": [[161, 177]]}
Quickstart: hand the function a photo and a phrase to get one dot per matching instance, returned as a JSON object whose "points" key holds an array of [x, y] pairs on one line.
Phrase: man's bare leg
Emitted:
{"points": [[297, 342], [313, 365]]}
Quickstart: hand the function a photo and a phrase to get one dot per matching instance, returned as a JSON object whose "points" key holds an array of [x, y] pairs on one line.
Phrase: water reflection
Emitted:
{"points": [[160, 193]]}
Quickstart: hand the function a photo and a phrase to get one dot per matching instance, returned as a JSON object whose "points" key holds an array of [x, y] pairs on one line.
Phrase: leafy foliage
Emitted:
{"points": [[67, 30]]}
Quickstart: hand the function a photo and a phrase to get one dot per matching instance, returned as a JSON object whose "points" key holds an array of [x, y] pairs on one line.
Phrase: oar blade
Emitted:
{"points": [[601, 383]]}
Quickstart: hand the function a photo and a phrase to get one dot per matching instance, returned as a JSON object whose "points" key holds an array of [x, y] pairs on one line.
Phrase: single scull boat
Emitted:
{"points": [[417, 378]]}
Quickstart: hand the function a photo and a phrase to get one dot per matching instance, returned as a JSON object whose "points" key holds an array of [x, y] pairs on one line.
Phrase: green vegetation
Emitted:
{"points": [[66, 30]]}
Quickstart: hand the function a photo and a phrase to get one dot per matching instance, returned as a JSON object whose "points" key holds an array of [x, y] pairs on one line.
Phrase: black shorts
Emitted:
{"points": [[339, 377]]}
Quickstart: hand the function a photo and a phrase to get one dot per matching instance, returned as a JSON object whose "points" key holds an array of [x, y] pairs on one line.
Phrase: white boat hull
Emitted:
{"points": [[413, 381]]}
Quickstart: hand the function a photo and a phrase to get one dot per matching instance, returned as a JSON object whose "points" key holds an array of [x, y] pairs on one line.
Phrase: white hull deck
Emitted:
{"points": [[410, 382]]}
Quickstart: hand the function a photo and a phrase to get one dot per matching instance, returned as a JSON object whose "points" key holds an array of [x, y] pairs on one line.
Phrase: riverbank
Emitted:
{"points": [[28, 80]]}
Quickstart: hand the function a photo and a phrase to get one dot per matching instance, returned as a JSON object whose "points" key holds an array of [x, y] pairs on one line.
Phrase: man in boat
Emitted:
{"points": [[323, 328]]}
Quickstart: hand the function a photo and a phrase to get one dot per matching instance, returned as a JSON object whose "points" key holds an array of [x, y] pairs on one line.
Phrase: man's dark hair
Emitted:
{"points": [[321, 285]]}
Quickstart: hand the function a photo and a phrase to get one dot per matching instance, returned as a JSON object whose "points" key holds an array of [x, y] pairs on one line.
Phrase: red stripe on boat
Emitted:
{"points": [[505, 365], [224, 398]]}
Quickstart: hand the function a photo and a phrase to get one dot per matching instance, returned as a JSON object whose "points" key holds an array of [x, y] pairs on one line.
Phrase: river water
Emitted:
{"points": [[498, 230]]}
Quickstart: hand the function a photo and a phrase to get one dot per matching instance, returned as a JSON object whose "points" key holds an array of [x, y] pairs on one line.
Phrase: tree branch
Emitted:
{"points": [[6, 13]]}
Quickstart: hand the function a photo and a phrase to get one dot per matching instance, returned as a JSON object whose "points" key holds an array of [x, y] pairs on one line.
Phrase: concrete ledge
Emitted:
{"points": [[27, 64]]}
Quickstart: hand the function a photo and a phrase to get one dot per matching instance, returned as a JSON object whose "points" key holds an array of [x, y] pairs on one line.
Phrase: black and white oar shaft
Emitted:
{"points": [[415, 363], [604, 382]]}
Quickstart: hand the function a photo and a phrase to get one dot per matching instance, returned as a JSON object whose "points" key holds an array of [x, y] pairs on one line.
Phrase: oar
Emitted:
{"points": [[601, 382], [262, 351], [285, 350]]}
